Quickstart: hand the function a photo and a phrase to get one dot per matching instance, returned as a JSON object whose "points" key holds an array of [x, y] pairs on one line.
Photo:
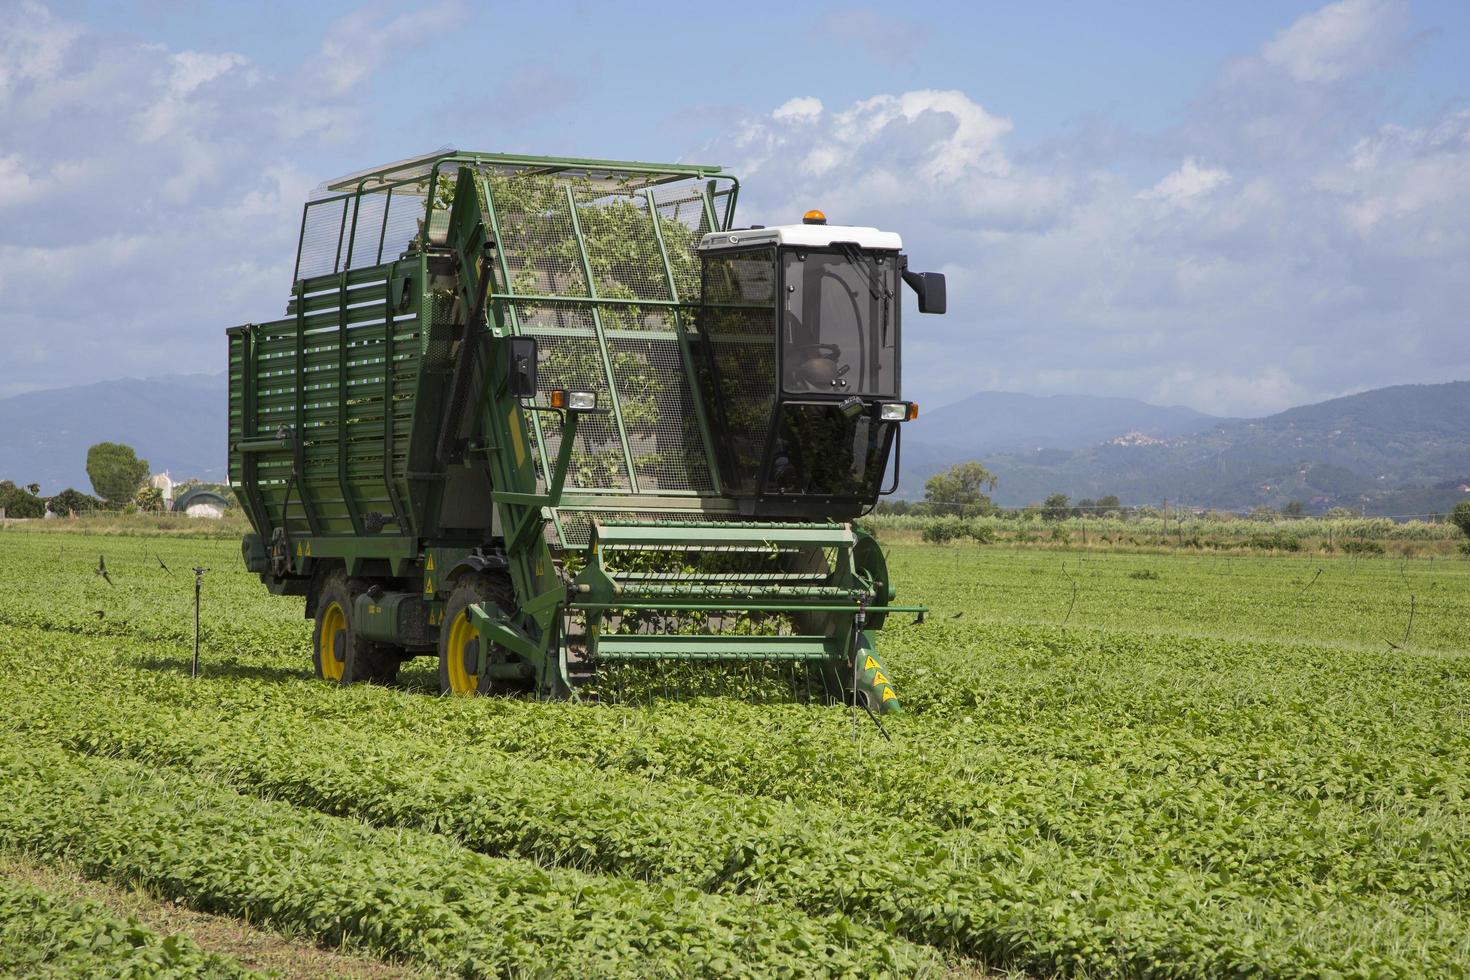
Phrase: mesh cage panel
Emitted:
{"points": [[637, 255], [364, 235], [622, 245], [321, 233], [658, 415], [405, 211], [684, 222], [571, 358], [536, 236]]}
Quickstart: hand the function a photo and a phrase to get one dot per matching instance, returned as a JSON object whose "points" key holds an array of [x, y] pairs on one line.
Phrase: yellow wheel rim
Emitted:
{"points": [[461, 634], [334, 624]]}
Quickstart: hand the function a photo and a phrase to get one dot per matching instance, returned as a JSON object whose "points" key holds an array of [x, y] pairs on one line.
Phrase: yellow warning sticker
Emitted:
{"points": [[516, 442], [888, 694], [429, 565], [871, 664], [428, 586], [299, 552], [878, 678]]}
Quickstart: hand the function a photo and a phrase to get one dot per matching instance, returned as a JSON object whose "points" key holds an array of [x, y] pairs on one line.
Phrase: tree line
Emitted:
{"points": [[119, 479], [962, 491]]}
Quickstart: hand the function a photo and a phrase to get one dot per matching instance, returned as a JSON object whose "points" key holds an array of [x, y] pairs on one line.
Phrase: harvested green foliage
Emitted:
{"points": [[43, 935]]}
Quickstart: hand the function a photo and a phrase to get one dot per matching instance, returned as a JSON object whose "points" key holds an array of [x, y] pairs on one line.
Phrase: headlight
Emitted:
{"points": [[894, 411], [581, 401]]}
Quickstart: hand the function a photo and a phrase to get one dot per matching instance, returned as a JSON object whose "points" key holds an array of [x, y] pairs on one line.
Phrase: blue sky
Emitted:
{"points": [[1236, 207]]}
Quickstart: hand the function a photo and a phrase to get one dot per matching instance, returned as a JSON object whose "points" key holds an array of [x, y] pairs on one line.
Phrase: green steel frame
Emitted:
{"points": [[835, 606]]}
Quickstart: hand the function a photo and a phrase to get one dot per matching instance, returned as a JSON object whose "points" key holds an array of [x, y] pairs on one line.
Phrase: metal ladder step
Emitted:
{"points": [[667, 647], [704, 590], [726, 535]]}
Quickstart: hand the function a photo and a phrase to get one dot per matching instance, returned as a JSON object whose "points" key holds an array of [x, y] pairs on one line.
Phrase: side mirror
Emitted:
{"points": [[929, 287], [521, 366]]}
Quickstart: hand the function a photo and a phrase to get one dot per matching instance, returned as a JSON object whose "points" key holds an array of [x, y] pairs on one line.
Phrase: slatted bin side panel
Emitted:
{"points": [[350, 401], [238, 338]]}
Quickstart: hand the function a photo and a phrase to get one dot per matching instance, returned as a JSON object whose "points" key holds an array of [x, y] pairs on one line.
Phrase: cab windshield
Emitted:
{"points": [[839, 326]]}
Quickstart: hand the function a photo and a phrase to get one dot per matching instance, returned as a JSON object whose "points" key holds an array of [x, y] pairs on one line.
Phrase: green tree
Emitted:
{"points": [[116, 471], [18, 502], [71, 501], [960, 490], [1055, 507], [1293, 509], [1460, 516], [1109, 502], [149, 498]]}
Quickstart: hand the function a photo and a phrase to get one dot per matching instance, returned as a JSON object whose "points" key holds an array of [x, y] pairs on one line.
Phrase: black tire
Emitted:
{"points": [[349, 658], [469, 590]]}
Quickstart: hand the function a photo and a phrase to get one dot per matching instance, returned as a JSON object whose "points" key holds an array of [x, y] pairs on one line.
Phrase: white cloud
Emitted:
{"points": [[360, 42], [177, 105], [1188, 182], [1339, 40], [32, 47], [803, 108], [150, 197]]}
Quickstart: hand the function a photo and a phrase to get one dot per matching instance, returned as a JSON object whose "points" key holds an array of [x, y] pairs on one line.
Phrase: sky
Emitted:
{"points": [[1237, 207]]}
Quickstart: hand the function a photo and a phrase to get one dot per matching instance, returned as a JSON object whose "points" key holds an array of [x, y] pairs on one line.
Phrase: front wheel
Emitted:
{"points": [[459, 640], [338, 653]]}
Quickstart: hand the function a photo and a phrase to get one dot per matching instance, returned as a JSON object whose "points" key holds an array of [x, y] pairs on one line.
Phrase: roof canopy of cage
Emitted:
{"points": [[605, 174]]}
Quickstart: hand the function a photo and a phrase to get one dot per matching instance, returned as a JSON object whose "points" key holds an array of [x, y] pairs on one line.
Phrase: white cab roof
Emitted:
{"points": [[811, 236]]}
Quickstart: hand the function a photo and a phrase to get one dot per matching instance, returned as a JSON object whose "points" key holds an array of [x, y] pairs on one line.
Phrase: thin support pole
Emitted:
{"points": [[198, 586]]}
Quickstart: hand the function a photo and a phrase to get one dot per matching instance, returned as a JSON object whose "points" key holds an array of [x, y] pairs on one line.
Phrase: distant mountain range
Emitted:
{"points": [[176, 422], [1399, 450], [1404, 449]]}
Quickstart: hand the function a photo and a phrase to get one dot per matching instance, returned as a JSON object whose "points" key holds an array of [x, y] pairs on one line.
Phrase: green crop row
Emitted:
{"points": [[1046, 872], [44, 935], [680, 833], [400, 892]]}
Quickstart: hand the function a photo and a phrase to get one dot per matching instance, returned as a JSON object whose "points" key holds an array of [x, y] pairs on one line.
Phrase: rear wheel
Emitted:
{"points": [[339, 654], [459, 640]]}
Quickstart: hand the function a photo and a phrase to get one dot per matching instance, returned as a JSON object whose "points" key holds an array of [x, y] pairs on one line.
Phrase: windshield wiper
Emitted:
{"points": [[877, 286]]}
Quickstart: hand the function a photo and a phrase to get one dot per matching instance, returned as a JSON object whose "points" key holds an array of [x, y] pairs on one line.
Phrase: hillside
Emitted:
{"points": [[1408, 445], [176, 422], [1003, 421], [1404, 449]]}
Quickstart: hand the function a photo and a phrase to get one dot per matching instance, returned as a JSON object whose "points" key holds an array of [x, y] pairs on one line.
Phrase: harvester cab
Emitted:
{"points": [[824, 298], [560, 424]]}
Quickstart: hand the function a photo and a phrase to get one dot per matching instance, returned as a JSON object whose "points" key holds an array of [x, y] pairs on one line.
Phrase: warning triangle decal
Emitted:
{"points": [[871, 664], [878, 678], [888, 694], [429, 565]]}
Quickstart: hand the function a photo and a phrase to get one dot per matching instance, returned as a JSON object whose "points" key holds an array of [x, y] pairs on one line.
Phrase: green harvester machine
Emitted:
{"points": [[545, 418]]}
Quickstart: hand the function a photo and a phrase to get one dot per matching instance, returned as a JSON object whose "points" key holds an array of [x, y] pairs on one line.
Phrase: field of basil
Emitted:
{"points": [[1164, 765]]}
